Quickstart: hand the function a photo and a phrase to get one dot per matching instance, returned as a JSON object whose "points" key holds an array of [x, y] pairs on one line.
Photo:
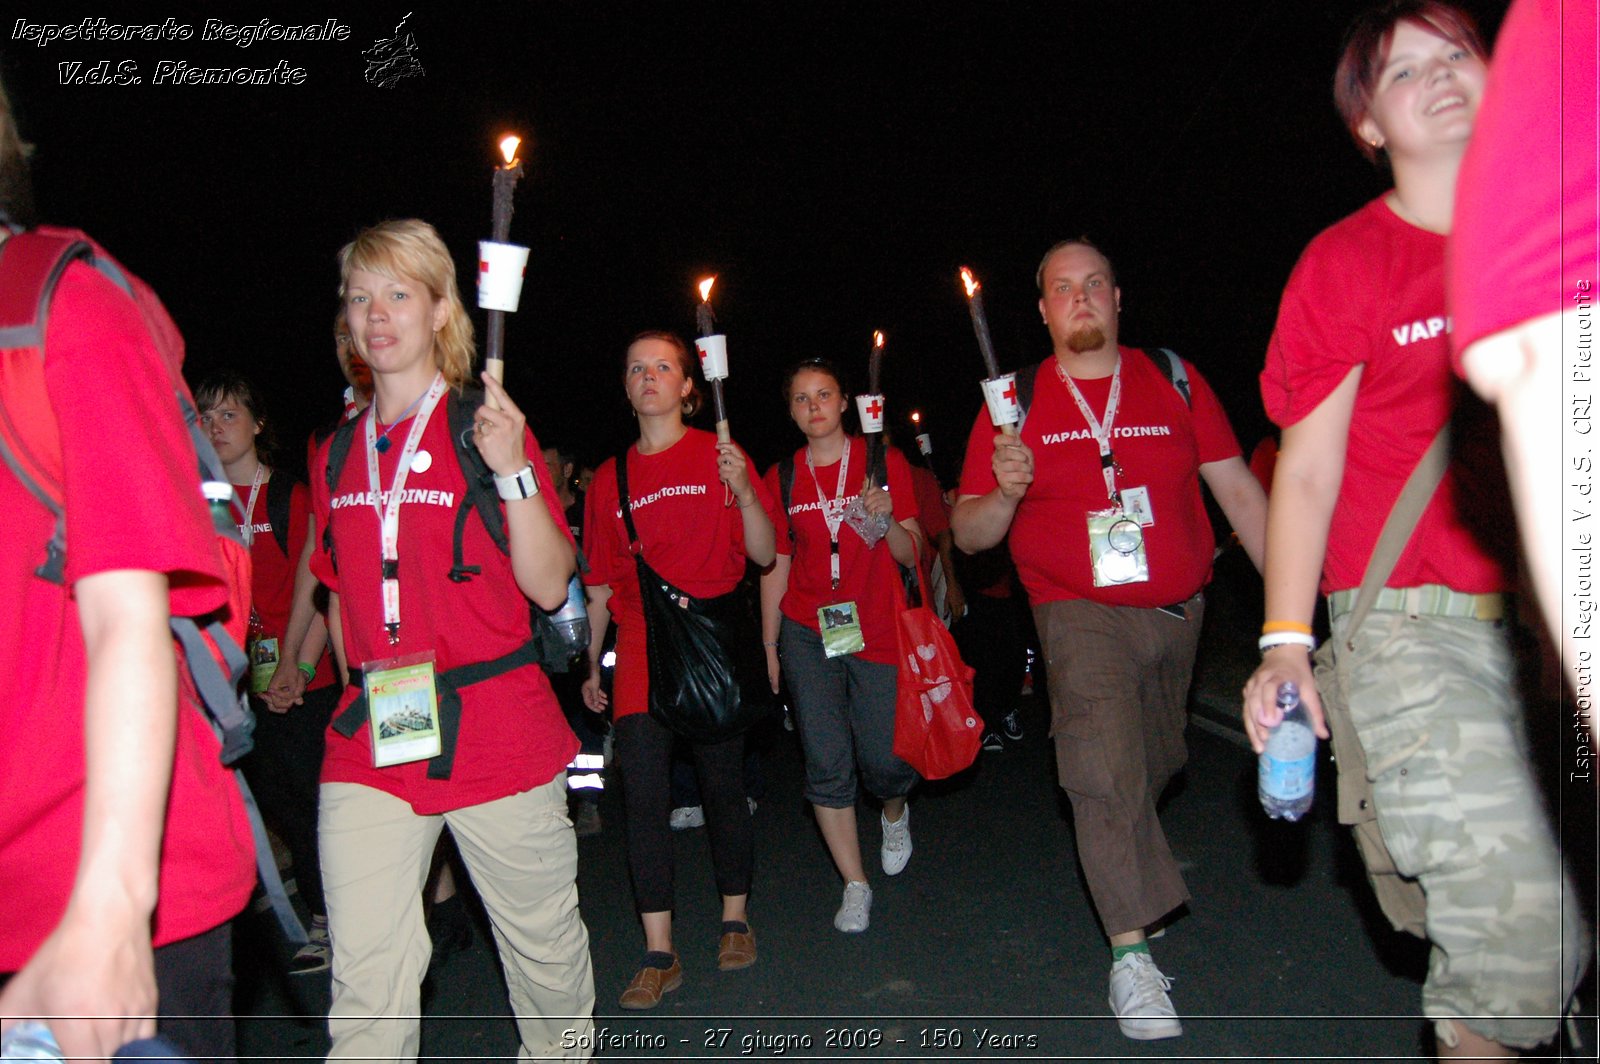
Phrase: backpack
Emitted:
{"points": [[280, 490], [32, 263], [554, 646], [1170, 365]]}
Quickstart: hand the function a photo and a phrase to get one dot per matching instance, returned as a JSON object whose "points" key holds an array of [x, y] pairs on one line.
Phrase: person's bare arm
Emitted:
{"points": [[599, 604], [1305, 487], [1243, 502], [982, 521], [95, 972], [774, 582]]}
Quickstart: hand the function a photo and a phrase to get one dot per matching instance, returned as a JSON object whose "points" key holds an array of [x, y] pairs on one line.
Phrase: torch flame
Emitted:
{"points": [[970, 281], [705, 288], [877, 338], [916, 417], [508, 148]]}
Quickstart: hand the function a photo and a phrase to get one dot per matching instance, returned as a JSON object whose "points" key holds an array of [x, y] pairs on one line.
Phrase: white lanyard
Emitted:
{"points": [[387, 506], [832, 510], [1100, 430], [247, 529]]}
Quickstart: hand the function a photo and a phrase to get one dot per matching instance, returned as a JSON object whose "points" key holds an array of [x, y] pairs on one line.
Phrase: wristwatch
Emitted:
{"points": [[521, 485]]}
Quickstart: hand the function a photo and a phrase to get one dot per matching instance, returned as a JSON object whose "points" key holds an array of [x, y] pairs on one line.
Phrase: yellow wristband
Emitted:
{"points": [[1285, 626]]}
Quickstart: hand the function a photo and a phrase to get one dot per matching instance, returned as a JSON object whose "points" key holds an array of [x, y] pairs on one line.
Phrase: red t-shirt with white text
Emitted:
{"points": [[869, 577], [1369, 292], [1160, 443], [687, 534], [113, 400], [513, 736]]}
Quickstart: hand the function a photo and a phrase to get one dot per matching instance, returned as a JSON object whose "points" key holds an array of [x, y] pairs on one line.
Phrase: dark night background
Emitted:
{"points": [[833, 162]]}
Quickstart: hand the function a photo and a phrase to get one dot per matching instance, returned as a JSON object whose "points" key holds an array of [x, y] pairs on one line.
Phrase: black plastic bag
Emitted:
{"points": [[707, 675]]}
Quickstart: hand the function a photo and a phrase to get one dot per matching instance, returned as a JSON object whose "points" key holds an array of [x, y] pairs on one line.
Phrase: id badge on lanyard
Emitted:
{"points": [[832, 509], [387, 504], [840, 627], [402, 709], [1116, 538]]}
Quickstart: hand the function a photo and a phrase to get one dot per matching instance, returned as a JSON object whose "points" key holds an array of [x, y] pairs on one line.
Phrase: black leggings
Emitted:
{"points": [[644, 754], [283, 772]]}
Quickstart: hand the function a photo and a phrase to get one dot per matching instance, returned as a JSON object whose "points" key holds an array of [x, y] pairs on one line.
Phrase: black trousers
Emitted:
{"points": [[282, 772], [992, 640], [194, 977], [644, 754]]}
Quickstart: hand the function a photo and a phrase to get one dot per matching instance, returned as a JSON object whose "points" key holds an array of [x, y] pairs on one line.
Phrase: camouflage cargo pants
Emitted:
{"points": [[1435, 702]]}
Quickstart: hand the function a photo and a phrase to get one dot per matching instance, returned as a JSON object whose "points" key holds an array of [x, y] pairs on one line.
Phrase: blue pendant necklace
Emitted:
{"points": [[382, 445]]}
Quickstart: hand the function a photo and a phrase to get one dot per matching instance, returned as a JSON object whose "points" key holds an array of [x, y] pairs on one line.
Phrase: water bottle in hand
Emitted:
{"points": [[1286, 774], [29, 1041]]}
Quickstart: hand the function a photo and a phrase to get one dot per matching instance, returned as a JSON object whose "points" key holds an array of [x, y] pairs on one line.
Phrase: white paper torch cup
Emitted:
{"points": [[713, 356], [870, 407], [925, 443], [1000, 394], [500, 270]]}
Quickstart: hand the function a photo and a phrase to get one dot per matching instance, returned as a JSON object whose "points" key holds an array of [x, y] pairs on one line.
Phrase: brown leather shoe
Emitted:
{"points": [[649, 984], [736, 950]]}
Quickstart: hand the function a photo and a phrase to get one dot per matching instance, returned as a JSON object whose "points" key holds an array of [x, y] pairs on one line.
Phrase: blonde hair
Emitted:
{"points": [[411, 249]]}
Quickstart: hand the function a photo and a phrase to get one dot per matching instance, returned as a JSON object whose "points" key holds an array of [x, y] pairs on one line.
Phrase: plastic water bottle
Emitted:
{"points": [[1286, 775], [29, 1041], [219, 500], [572, 619]]}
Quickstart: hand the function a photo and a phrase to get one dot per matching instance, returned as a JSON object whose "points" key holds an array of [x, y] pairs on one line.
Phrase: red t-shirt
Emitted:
{"points": [[686, 533], [272, 571], [868, 577], [1158, 441], [513, 736], [113, 399], [932, 514], [1525, 242], [1369, 292]]}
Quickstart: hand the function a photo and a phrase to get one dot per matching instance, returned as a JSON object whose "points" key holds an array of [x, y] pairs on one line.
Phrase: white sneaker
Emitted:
{"points": [[1139, 999], [853, 910], [687, 816], [896, 848]]}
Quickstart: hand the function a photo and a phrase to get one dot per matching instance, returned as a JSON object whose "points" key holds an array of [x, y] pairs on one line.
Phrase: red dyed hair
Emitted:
{"points": [[1367, 41]]}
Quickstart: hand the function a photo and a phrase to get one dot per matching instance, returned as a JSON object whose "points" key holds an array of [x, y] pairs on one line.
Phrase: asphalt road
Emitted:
{"points": [[986, 946]]}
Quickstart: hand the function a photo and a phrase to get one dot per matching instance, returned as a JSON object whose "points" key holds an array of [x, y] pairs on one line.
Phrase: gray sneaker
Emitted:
{"points": [[853, 910], [316, 955], [1139, 999], [896, 849]]}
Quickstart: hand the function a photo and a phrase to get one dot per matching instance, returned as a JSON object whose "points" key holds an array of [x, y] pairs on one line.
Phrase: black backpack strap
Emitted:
{"points": [[786, 490], [622, 503], [448, 684], [1025, 380], [338, 450], [481, 494], [1171, 367], [280, 492]]}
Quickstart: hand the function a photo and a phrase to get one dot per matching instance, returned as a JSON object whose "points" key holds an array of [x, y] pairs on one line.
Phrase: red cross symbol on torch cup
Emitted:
{"points": [[1010, 394], [875, 407]]}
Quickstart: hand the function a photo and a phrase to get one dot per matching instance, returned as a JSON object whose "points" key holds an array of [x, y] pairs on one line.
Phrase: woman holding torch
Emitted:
{"points": [[490, 762], [696, 537], [830, 603], [1358, 376]]}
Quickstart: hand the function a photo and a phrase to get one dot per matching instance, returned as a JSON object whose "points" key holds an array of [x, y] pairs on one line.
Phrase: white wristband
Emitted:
{"points": [[1278, 639], [521, 485]]}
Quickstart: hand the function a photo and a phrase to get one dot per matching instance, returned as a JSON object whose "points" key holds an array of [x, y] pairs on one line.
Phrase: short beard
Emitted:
{"points": [[1085, 338]]}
